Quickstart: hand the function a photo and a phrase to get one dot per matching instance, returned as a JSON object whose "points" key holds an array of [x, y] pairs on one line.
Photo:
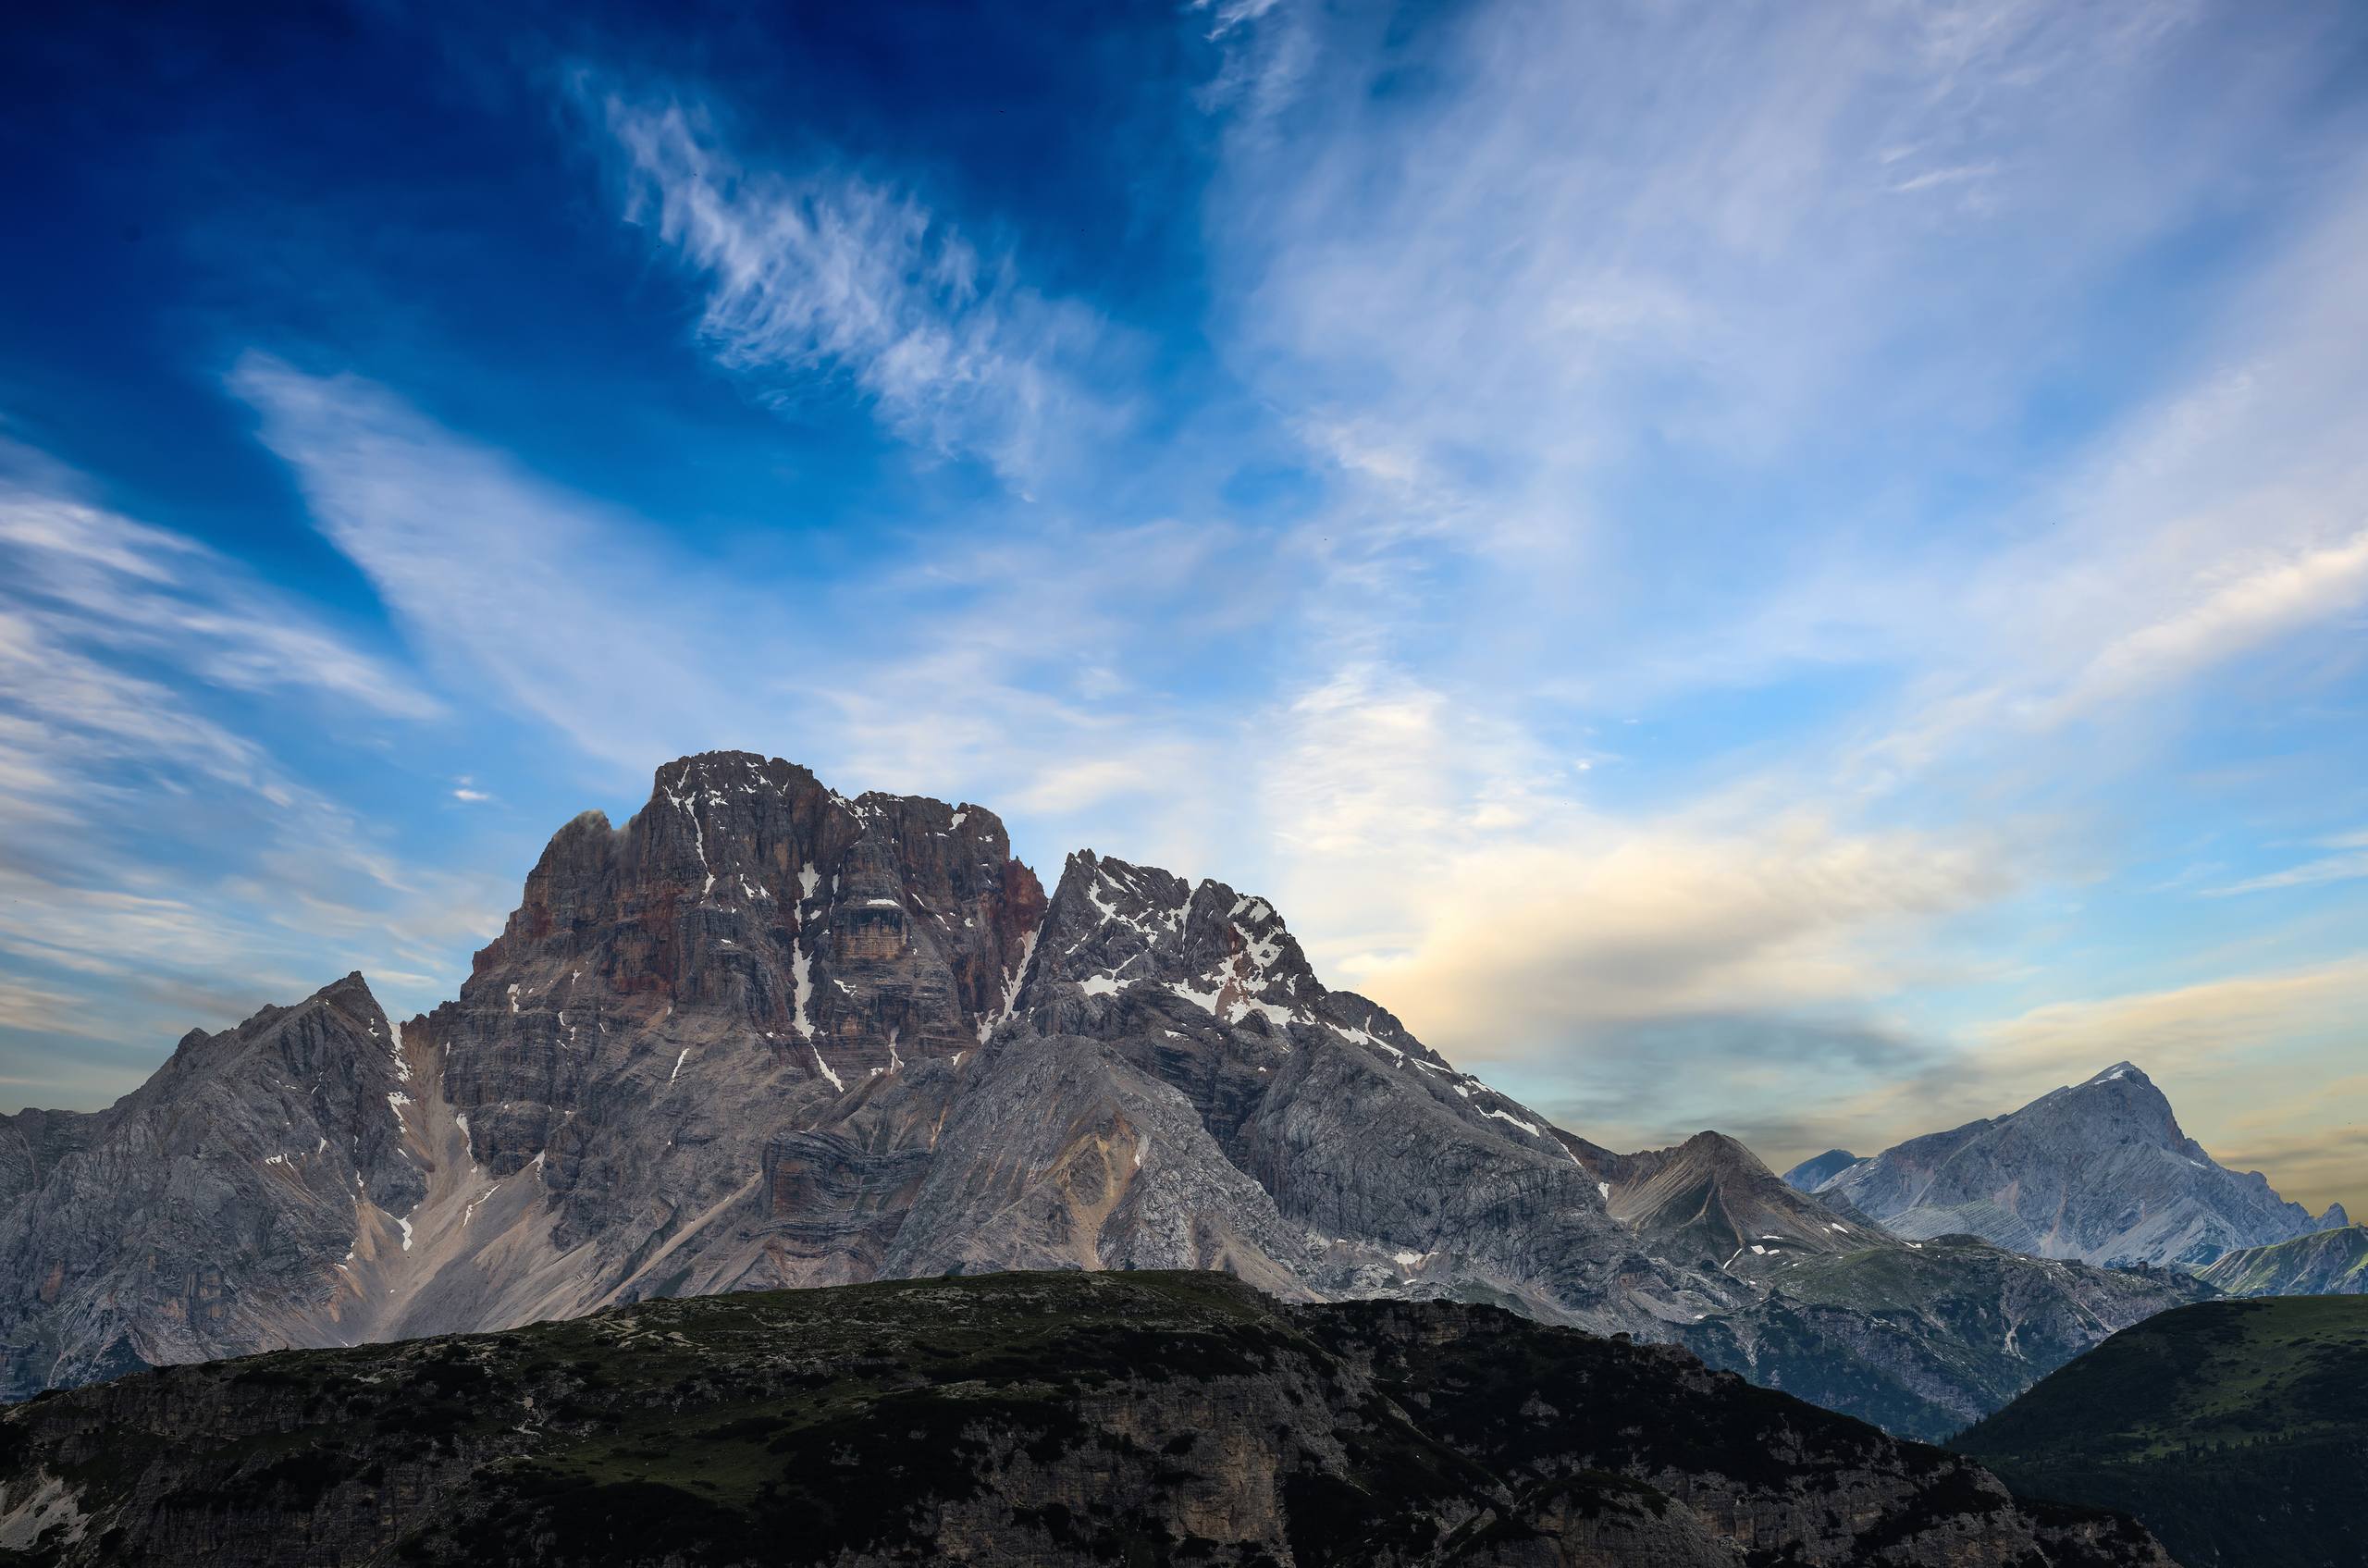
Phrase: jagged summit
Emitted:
{"points": [[2098, 1170], [1121, 936]]}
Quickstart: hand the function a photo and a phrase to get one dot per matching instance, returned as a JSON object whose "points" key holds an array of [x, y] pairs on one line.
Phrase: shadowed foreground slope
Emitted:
{"points": [[1041, 1418], [2238, 1430]]}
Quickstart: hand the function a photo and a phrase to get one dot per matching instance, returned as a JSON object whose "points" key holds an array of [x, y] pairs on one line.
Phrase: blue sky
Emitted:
{"points": [[1800, 569]]}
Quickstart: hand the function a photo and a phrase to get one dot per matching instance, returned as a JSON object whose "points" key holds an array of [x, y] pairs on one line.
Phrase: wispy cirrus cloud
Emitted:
{"points": [[162, 856], [827, 273], [987, 668], [2346, 866]]}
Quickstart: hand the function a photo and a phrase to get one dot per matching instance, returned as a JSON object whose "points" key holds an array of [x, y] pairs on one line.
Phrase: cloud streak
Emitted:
{"points": [[829, 273]]}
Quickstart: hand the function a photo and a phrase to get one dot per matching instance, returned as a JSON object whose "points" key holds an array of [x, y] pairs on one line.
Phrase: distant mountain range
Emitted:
{"points": [[2100, 1171], [763, 1035], [2325, 1263], [2238, 1431], [1039, 1419]]}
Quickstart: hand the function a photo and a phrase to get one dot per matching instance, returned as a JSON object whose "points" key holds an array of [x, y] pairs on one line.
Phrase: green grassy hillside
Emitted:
{"points": [[2238, 1430]]}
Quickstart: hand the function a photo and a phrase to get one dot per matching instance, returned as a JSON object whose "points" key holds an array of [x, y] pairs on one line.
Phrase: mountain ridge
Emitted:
{"points": [[764, 1035]]}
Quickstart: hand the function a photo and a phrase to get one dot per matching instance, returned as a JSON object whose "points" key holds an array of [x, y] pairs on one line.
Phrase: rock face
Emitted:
{"points": [[212, 1210], [2100, 1171], [2325, 1263], [765, 1035], [1008, 1420]]}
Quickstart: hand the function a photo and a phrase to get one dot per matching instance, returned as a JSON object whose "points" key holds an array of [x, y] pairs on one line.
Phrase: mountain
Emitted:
{"points": [[765, 1035], [207, 1211], [2236, 1430], [1710, 1203], [1816, 1171], [2325, 1263], [1926, 1337], [2100, 1171], [1011, 1419]]}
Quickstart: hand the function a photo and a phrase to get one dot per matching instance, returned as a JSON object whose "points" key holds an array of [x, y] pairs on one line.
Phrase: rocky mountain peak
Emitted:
{"points": [[1114, 926], [1711, 1200], [1126, 948], [2098, 1170], [842, 931]]}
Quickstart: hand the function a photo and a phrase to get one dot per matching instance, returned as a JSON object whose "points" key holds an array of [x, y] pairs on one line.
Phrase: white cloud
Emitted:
{"points": [[504, 581], [109, 629], [157, 843], [827, 272], [2311, 873]]}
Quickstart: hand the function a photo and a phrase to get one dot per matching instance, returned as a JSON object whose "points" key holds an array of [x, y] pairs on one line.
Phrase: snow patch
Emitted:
{"points": [[1508, 1115], [1206, 1001], [699, 837], [1011, 985], [678, 1065], [801, 971]]}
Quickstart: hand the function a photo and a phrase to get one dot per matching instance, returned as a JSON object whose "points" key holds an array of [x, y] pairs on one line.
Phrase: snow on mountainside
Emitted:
{"points": [[2100, 1171], [763, 1034]]}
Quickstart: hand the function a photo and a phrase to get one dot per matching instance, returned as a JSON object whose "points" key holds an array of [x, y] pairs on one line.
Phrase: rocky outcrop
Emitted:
{"points": [[2325, 1263], [2100, 1171], [765, 1035], [1030, 1419]]}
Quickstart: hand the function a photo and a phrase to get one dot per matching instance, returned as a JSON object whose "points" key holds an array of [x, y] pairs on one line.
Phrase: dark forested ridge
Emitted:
{"points": [[2236, 1430], [1038, 1418]]}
